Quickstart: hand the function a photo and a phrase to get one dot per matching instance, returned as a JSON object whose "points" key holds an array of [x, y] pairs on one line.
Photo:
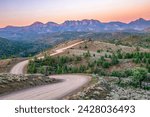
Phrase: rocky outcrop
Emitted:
{"points": [[96, 91], [128, 93], [107, 89]]}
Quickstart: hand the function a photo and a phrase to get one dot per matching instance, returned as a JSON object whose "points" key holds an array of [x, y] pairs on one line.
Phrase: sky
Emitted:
{"points": [[25, 12]]}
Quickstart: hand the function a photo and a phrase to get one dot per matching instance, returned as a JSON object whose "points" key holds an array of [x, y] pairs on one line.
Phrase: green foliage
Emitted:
{"points": [[133, 39], [100, 61], [136, 55], [98, 51], [122, 73], [128, 72], [55, 65], [114, 60], [139, 74], [32, 67], [117, 74], [9, 48], [142, 58], [105, 64], [64, 64], [119, 54]]}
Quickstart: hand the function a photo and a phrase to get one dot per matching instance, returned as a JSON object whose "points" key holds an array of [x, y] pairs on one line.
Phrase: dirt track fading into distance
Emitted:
{"points": [[19, 68]]}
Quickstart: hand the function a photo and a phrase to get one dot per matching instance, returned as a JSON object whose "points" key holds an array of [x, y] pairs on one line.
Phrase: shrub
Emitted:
{"points": [[85, 46], [114, 60], [98, 51], [105, 64], [117, 73], [125, 73], [139, 74], [128, 72]]}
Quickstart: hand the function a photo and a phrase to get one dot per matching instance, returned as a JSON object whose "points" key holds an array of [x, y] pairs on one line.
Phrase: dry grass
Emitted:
{"points": [[103, 46], [94, 46]]}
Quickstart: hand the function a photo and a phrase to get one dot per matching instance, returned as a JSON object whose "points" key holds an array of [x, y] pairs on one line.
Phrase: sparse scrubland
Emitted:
{"points": [[119, 68]]}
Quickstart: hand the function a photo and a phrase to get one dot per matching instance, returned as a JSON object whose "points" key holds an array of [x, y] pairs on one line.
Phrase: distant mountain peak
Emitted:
{"points": [[9, 26], [140, 20], [51, 23], [37, 24], [69, 21]]}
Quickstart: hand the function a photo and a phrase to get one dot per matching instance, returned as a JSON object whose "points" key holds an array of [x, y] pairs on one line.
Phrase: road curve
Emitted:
{"points": [[19, 68], [50, 92], [69, 84]]}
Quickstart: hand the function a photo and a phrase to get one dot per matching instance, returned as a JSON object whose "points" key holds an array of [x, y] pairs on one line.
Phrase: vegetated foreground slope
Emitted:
{"points": [[122, 66], [91, 57]]}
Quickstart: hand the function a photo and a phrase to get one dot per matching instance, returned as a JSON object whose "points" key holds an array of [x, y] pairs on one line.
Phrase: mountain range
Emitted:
{"points": [[39, 29]]}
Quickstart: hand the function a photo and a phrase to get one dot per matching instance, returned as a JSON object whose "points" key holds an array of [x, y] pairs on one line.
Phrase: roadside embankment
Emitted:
{"points": [[11, 82]]}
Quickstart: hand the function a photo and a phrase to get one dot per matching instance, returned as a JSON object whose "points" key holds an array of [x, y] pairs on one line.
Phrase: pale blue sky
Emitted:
{"points": [[24, 12]]}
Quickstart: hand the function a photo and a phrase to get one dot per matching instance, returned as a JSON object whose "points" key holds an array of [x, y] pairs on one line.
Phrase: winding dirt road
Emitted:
{"points": [[50, 92], [19, 68], [69, 84]]}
